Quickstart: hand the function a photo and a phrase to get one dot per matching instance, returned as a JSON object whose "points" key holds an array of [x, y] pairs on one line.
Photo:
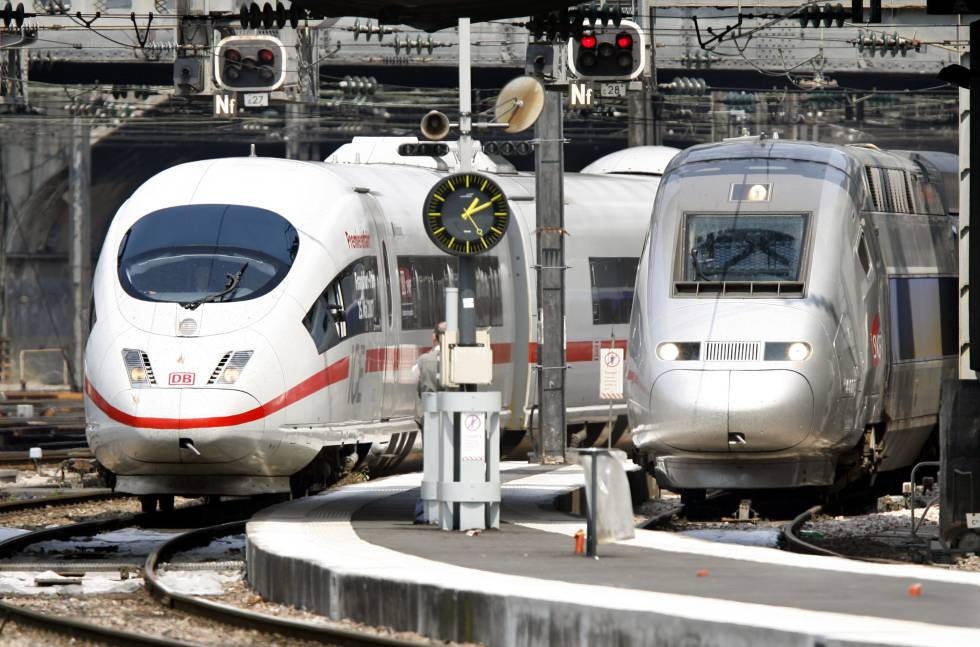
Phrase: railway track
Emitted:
{"points": [[165, 556]]}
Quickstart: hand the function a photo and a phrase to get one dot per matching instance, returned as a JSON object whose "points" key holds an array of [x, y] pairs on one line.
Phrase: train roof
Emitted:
{"points": [[849, 159], [302, 188]]}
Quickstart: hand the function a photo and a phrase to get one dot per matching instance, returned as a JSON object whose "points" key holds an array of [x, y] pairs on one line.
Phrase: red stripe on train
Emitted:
{"points": [[334, 373]]}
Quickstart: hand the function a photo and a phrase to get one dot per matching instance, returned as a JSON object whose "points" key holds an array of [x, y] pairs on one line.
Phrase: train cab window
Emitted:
{"points": [[423, 279], [743, 248], [193, 252], [613, 281], [924, 317], [863, 256], [348, 307]]}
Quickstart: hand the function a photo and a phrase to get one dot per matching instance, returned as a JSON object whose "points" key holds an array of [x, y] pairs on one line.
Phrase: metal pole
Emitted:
{"points": [[465, 98], [79, 180], [640, 104], [550, 211], [591, 540], [974, 261]]}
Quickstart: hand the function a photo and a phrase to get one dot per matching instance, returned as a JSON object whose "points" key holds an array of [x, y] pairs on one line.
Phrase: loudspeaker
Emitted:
{"points": [[435, 125]]}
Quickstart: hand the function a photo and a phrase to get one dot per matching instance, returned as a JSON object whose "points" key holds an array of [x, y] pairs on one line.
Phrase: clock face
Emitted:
{"points": [[466, 214]]}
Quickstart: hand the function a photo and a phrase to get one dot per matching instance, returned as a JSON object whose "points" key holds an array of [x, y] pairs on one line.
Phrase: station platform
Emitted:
{"points": [[353, 552]]}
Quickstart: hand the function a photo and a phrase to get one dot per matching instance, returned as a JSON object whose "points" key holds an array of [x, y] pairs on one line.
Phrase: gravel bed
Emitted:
{"points": [[140, 610], [879, 535], [60, 515]]}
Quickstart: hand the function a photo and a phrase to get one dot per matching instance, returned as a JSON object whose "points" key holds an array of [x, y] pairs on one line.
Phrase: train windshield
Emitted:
{"points": [[743, 247], [211, 252]]}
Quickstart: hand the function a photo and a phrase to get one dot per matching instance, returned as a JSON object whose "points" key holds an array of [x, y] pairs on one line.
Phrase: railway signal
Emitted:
{"points": [[608, 52], [250, 63]]}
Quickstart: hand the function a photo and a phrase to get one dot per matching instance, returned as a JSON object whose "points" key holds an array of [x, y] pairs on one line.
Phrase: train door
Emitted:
{"points": [[384, 359]]}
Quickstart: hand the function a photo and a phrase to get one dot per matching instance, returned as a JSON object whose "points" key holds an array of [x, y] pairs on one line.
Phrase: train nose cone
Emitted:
{"points": [[744, 411], [223, 425]]}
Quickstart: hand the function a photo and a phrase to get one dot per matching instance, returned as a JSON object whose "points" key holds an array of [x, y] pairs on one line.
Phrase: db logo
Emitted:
{"points": [[876, 340], [181, 379]]}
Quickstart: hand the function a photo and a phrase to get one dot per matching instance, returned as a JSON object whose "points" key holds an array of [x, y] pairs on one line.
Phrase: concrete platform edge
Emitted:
{"points": [[472, 616]]}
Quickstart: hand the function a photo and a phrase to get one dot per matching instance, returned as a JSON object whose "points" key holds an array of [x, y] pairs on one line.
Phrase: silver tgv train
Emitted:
{"points": [[257, 320], [795, 314]]}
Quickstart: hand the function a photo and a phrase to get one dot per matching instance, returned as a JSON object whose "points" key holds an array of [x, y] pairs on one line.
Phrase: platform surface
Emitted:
{"points": [[354, 552]]}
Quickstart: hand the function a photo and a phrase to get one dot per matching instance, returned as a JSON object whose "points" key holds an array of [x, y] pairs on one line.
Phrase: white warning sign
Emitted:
{"points": [[611, 373], [472, 436]]}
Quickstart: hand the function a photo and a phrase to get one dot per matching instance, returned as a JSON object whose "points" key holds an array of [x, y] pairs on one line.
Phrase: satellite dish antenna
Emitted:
{"points": [[519, 104]]}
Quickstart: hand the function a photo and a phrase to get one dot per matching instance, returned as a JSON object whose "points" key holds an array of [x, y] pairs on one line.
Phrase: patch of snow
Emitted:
{"points": [[223, 548], [767, 538], [128, 541], [199, 582], [98, 583], [7, 533]]}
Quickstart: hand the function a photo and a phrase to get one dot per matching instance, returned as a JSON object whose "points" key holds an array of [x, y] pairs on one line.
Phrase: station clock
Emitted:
{"points": [[466, 214]]}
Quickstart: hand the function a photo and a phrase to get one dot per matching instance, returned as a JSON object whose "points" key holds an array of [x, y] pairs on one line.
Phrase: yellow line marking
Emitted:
{"points": [[439, 231], [439, 198], [484, 241], [496, 197], [467, 247], [496, 231], [467, 181], [452, 239], [485, 183], [500, 213], [434, 214], [452, 187]]}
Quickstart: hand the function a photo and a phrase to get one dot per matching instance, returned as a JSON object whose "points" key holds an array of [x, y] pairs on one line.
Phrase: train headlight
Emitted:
{"points": [[230, 367], [796, 351], [138, 368], [671, 351], [668, 352]]}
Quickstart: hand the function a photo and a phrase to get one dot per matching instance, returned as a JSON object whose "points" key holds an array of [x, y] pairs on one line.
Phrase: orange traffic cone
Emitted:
{"points": [[580, 542], [702, 573], [915, 590]]}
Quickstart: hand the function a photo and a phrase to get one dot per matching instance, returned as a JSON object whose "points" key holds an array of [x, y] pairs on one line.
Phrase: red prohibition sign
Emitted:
{"points": [[472, 422], [612, 359]]}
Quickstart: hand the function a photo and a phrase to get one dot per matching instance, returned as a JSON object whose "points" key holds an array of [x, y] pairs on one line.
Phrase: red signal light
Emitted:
{"points": [[266, 56], [624, 41], [233, 55], [588, 41]]}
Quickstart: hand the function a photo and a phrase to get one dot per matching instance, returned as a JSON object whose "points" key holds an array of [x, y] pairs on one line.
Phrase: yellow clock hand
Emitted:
{"points": [[466, 215]]}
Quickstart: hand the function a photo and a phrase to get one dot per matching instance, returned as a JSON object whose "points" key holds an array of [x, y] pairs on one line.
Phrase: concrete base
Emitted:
{"points": [[354, 553]]}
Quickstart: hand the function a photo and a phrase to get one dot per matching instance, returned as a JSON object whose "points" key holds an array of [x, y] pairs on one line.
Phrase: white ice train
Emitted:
{"points": [[795, 314], [256, 320]]}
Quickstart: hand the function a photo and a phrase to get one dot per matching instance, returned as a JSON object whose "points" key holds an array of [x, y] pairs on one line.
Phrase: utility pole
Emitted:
{"points": [[642, 127], [549, 167], [80, 252], [300, 112]]}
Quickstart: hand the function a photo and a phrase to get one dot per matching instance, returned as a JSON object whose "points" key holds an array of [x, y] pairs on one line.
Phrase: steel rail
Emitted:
{"points": [[90, 494], [242, 617], [73, 628], [790, 534], [82, 529]]}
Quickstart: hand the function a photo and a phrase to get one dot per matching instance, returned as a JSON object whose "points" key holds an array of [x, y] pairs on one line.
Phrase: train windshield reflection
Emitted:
{"points": [[743, 247], [183, 254]]}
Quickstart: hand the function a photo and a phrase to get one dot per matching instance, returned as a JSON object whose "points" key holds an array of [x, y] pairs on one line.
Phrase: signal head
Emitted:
{"points": [[250, 63], [608, 52]]}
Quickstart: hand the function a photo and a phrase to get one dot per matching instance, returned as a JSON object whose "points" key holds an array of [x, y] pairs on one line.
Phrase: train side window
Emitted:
{"points": [[924, 317], [347, 307], [423, 280], [391, 304], [863, 255], [613, 281]]}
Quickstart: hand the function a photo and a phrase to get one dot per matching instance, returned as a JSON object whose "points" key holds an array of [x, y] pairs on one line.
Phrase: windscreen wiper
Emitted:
{"points": [[231, 286]]}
